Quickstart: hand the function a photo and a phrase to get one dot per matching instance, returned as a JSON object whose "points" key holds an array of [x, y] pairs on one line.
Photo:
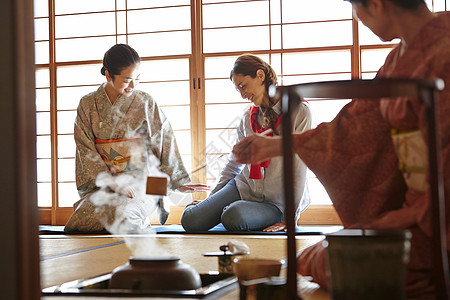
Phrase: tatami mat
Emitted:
{"points": [[66, 258]]}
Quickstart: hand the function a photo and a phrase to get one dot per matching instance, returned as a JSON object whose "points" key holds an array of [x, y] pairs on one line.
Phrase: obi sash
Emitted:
{"points": [[122, 154], [412, 153]]}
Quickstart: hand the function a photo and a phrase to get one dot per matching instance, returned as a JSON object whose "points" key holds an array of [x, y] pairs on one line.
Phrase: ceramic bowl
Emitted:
{"points": [[155, 273]]}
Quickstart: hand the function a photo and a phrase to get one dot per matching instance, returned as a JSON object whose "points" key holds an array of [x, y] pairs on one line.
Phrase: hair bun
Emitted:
{"points": [[103, 71]]}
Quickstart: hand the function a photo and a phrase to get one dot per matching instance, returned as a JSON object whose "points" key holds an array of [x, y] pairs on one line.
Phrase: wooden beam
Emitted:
{"points": [[314, 215]]}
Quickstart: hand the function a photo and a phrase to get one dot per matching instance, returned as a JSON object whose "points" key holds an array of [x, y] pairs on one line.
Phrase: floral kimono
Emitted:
{"points": [[372, 159], [120, 145]]}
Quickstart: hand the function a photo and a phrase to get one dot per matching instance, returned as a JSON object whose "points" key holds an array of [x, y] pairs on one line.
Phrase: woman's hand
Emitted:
{"points": [[126, 191], [194, 188], [257, 148], [275, 227]]}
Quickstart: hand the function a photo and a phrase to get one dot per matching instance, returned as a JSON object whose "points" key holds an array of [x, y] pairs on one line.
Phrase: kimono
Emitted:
{"points": [[120, 145], [364, 159]]}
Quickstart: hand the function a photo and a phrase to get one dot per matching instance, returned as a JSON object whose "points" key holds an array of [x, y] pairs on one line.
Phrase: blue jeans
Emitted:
{"points": [[235, 214]]}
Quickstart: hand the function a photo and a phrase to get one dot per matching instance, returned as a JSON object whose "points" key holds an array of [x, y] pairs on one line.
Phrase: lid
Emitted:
{"points": [[153, 258]]}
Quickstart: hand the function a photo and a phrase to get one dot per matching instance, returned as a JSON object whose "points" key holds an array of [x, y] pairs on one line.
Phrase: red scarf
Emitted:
{"points": [[255, 170]]}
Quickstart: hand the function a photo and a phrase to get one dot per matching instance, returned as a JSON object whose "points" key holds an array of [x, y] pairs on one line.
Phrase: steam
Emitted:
{"points": [[145, 247], [118, 213], [121, 214]]}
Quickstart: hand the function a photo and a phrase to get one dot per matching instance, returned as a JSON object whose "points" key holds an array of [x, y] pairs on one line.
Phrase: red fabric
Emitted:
{"points": [[255, 170], [354, 157]]}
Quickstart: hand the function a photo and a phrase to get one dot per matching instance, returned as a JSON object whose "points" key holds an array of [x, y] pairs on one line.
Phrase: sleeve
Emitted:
{"points": [[88, 162], [232, 168], [338, 152], [354, 158], [303, 119], [164, 146]]}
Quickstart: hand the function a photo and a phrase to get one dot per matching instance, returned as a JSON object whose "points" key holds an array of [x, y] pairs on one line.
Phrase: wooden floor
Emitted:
{"points": [[67, 258]]}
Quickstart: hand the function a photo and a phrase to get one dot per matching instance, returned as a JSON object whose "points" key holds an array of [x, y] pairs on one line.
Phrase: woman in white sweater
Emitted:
{"points": [[250, 197]]}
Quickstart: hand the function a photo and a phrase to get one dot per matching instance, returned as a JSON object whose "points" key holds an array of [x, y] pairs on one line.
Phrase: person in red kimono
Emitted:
{"points": [[372, 158]]}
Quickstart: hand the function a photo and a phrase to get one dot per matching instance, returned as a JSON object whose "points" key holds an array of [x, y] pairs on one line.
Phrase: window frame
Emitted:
{"points": [[316, 214]]}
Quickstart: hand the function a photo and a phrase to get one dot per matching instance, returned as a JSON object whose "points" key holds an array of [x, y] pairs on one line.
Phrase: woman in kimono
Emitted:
{"points": [[363, 178], [122, 137], [249, 197]]}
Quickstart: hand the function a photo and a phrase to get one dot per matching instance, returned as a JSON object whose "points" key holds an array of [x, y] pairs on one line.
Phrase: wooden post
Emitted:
{"points": [[18, 207], [289, 101]]}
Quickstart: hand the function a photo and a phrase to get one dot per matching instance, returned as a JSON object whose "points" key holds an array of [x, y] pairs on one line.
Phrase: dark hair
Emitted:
{"points": [[119, 57], [407, 4], [248, 65]]}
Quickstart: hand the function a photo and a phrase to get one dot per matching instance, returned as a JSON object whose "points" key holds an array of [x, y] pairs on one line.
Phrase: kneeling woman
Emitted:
{"points": [[250, 197], [122, 136]]}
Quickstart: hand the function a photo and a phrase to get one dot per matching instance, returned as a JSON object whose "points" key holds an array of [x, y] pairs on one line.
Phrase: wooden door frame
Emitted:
{"points": [[19, 214]]}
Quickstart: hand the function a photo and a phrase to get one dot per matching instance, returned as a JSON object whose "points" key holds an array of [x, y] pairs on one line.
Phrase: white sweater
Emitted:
{"points": [[269, 188]]}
